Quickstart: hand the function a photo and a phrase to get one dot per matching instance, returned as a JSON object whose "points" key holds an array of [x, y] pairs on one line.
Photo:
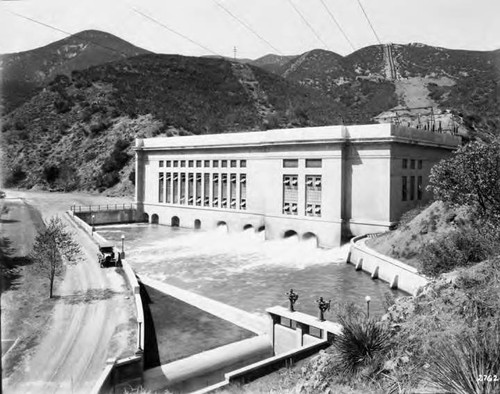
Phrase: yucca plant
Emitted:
{"points": [[363, 344], [469, 363]]}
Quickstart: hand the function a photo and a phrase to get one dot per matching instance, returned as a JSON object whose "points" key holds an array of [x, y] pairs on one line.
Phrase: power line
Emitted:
{"points": [[338, 25], [307, 23], [247, 26], [67, 33], [369, 22], [176, 32]]}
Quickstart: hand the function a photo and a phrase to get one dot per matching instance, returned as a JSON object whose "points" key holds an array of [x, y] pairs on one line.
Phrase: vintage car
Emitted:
{"points": [[107, 256]]}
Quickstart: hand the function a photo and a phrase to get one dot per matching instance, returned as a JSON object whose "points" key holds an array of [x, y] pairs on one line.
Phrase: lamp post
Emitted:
{"points": [[368, 299], [74, 208], [123, 249], [93, 228]]}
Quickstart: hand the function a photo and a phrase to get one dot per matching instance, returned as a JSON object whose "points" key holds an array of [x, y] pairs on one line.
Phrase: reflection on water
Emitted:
{"points": [[244, 270]]}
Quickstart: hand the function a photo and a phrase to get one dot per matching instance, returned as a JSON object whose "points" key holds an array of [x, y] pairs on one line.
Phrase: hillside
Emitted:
{"points": [[466, 82], [24, 73], [76, 133], [272, 63]]}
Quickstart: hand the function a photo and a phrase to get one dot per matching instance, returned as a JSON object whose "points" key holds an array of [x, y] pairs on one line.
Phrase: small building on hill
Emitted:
{"points": [[326, 183]]}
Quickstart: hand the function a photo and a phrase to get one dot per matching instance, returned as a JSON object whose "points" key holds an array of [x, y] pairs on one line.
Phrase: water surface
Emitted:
{"points": [[244, 270]]}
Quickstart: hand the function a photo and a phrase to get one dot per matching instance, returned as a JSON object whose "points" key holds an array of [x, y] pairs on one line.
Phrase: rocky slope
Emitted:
{"points": [[465, 82], [77, 132]]}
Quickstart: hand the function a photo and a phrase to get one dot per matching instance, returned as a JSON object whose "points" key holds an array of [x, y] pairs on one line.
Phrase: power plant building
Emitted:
{"points": [[327, 183]]}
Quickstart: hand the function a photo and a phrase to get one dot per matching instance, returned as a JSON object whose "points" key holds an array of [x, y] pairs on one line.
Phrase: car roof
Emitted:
{"points": [[105, 245]]}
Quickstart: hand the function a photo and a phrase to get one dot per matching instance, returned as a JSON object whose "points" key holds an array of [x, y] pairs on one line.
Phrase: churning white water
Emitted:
{"points": [[243, 269]]}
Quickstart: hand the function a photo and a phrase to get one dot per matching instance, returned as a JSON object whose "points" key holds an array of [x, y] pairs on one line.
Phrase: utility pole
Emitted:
{"points": [[234, 51]]}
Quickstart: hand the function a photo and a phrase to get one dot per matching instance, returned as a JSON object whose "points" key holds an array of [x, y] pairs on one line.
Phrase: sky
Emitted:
{"points": [[256, 27]]}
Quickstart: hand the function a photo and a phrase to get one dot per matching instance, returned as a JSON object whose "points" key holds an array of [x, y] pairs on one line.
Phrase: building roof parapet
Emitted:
{"points": [[308, 135]]}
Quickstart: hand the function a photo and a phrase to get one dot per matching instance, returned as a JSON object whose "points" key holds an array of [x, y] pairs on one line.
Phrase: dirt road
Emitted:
{"points": [[93, 317]]}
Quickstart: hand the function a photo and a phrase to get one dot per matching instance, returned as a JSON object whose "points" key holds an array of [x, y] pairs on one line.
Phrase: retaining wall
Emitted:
{"points": [[397, 274], [112, 216], [209, 367], [265, 367]]}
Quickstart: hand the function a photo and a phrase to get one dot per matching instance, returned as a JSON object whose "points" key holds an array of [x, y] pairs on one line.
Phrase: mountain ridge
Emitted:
{"points": [[95, 112]]}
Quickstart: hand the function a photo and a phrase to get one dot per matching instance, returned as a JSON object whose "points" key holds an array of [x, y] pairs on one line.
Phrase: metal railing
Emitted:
{"points": [[107, 207]]}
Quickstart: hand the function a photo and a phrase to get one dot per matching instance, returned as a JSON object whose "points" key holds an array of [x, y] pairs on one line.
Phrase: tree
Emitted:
{"points": [[53, 245], [471, 176]]}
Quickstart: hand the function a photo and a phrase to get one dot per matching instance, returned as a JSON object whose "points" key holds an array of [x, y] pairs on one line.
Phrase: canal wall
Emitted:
{"points": [[125, 372], [397, 274], [294, 336], [209, 367], [111, 216], [246, 320]]}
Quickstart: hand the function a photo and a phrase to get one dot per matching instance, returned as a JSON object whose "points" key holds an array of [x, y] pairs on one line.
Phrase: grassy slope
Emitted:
{"points": [[417, 227]]}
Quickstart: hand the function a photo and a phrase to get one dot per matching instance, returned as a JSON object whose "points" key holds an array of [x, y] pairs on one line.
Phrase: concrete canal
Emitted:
{"points": [[244, 270]]}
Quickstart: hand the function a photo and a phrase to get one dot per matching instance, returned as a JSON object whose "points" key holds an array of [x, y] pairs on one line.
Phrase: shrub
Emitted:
{"points": [[459, 248], [364, 342], [62, 105], [408, 216], [97, 126], [51, 173], [362, 345], [466, 364], [107, 180]]}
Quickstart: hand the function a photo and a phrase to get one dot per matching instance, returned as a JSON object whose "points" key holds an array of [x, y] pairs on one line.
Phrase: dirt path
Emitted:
{"points": [[92, 319]]}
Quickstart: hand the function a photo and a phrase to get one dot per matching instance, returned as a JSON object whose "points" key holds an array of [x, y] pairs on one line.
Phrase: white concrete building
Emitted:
{"points": [[324, 182]]}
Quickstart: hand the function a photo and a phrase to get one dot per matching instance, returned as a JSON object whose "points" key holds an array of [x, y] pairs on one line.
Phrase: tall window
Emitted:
{"points": [[161, 187], [206, 190], [243, 191], [232, 191], [215, 190], [169, 188], [419, 187], [405, 163], [313, 195], [183, 189], [412, 164], [198, 189], [190, 188], [404, 189], [175, 187], [290, 194], [412, 188], [224, 186], [420, 164]]}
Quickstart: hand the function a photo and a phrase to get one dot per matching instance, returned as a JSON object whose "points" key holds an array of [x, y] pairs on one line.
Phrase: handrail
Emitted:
{"points": [[96, 208]]}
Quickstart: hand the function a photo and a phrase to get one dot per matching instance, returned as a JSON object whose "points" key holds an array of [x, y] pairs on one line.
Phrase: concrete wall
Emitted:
{"points": [[206, 368], [429, 158], [111, 216], [285, 339], [396, 273]]}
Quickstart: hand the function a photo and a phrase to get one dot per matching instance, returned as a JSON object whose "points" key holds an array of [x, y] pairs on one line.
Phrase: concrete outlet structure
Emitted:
{"points": [[321, 183]]}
